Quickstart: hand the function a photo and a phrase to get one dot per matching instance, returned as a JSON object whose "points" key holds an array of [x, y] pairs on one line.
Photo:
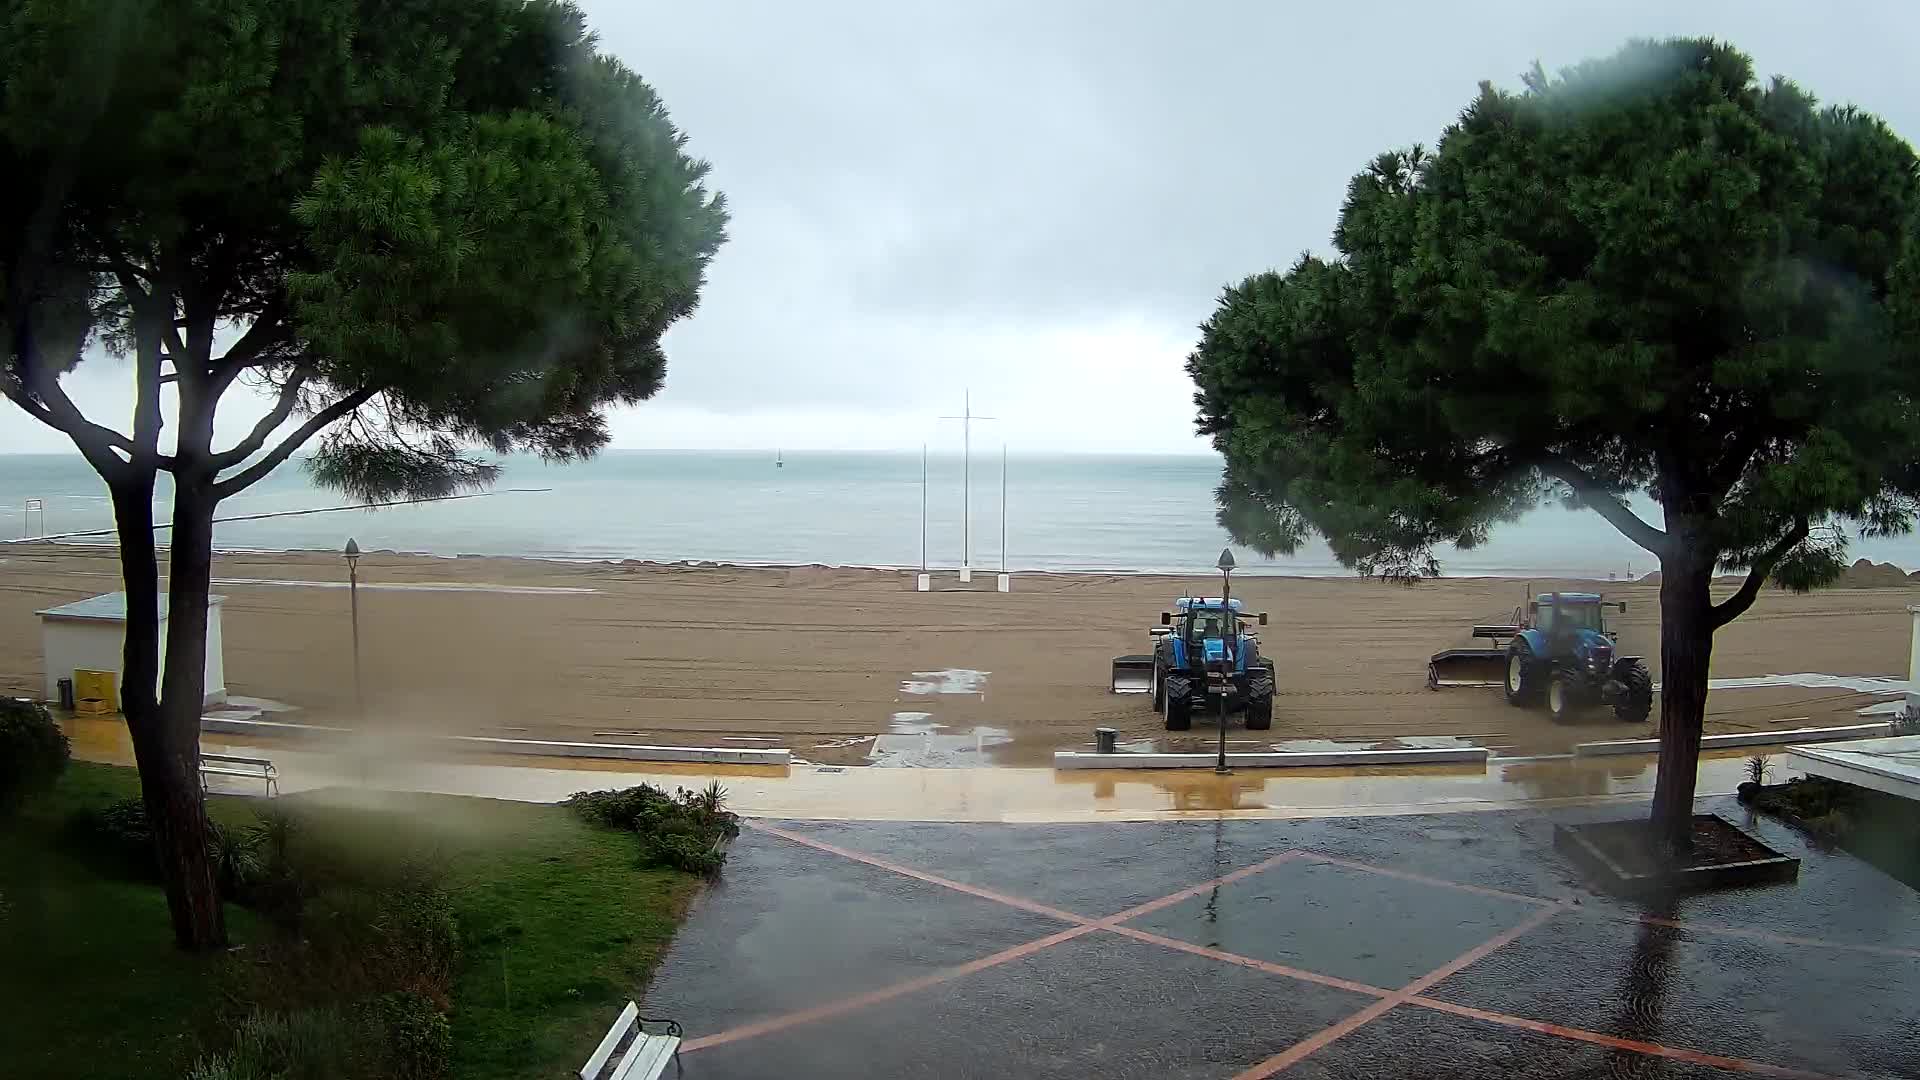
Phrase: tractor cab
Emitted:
{"points": [[1200, 625], [1571, 625]]}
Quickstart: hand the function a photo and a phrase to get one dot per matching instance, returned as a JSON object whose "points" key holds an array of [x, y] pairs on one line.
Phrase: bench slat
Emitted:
{"points": [[648, 1057], [614, 1034], [235, 759]]}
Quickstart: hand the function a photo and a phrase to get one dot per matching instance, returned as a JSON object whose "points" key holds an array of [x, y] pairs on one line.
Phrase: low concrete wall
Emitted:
{"points": [[1739, 738], [1074, 759], [710, 755]]}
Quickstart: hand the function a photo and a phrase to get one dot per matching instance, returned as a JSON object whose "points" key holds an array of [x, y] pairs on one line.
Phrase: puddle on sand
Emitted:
{"points": [[949, 681], [914, 723], [927, 749]]}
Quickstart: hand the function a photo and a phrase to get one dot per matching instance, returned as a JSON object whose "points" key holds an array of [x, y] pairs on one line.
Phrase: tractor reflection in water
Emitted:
{"points": [[1557, 650]]}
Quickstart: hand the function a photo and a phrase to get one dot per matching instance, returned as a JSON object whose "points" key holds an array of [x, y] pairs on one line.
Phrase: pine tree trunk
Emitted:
{"points": [[1686, 650], [166, 752]]}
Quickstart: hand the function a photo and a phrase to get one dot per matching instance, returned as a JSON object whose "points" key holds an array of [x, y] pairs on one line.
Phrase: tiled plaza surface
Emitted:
{"points": [[1445, 946]]}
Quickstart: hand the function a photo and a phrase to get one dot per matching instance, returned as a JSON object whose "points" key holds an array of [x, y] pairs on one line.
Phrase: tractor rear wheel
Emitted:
{"points": [[1260, 699], [1159, 687], [1636, 704], [1563, 698], [1524, 674], [1179, 702]]}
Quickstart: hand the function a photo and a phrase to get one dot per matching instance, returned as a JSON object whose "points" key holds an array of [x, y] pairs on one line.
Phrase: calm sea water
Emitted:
{"points": [[1063, 512]]}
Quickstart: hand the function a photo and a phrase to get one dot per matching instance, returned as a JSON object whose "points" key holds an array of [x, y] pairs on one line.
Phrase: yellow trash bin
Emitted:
{"points": [[94, 692]]}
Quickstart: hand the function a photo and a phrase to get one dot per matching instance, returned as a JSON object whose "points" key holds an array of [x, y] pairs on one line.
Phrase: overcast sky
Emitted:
{"points": [[1042, 200]]}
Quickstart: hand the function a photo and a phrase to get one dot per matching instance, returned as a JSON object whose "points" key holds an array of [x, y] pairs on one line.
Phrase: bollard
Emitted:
{"points": [[1005, 584], [923, 582], [1103, 739]]}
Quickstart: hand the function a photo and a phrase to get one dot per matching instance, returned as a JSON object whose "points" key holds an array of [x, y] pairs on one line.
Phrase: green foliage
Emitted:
{"points": [[119, 837], [116, 835], [687, 830], [311, 1044], [463, 208], [554, 901], [33, 751], [413, 1032], [1651, 274]]}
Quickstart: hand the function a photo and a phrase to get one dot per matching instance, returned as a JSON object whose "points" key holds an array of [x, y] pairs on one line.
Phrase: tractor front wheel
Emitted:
{"points": [[1260, 699], [1523, 674], [1179, 702], [1636, 704], [1562, 697]]}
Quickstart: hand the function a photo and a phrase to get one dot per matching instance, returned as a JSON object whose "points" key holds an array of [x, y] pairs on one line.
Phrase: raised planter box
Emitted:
{"points": [[1614, 854], [1737, 738], [1074, 759]]}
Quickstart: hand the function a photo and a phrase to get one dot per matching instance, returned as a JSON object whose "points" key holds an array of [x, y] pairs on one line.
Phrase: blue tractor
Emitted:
{"points": [[1202, 659], [1557, 650]]}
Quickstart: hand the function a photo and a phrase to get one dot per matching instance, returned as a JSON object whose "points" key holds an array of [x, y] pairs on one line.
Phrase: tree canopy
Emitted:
{"points": [[1650, 273], [425, 229], [454, 224]]}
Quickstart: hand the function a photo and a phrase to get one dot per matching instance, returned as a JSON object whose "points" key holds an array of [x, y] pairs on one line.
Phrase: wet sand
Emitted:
{"points": [[823, 660]]}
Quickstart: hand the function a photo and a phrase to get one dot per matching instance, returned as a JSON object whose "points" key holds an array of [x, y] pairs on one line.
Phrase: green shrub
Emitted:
{"points": [[353, 942], [118, 835], [311, 1044], [121, 835], [416, 1039], [33, 751], [686, 830]]}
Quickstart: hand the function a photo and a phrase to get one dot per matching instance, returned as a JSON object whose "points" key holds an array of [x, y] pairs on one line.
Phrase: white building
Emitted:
{"points": [[90, 634]]}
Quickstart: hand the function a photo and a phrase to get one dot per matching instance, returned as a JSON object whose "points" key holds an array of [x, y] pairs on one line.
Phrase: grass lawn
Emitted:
{"points": [[557, 924]]}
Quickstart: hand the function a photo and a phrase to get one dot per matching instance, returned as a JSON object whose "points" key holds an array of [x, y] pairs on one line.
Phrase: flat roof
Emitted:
{"points": [[1890, 764], [107, 607]]}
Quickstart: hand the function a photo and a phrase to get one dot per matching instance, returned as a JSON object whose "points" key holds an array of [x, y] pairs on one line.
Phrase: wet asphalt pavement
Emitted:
{"points": [[1449, 946]]}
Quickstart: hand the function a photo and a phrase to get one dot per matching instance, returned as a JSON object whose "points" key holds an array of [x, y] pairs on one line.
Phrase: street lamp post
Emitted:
{"points": [[352, 554], [1231, 638]]}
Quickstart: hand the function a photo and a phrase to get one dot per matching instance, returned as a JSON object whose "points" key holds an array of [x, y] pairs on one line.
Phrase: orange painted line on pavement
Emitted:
{"points": [[1083, 925], [885, 993], [1767, 935], [921, 875], [1407, 875], [1195, 890], [1704, 928], [1326, 1036], [1249, 962], [1758, 1068]]}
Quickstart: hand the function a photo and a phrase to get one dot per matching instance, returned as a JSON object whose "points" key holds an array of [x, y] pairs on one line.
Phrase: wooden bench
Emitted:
{"points": [[250, 768], [629, 1052]]}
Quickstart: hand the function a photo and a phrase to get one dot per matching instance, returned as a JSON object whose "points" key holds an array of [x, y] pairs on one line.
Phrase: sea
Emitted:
{"points": [[1053, 512]]}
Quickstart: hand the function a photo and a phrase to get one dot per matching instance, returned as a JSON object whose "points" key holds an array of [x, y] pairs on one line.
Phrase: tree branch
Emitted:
{"points": [[246, 478], [47, 403], [257, 438], [1605, 503], [263, 331], [1736, 605]]}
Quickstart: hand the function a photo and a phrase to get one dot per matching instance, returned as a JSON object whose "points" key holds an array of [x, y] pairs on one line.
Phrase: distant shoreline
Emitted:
{"points": [[1864, 573]]}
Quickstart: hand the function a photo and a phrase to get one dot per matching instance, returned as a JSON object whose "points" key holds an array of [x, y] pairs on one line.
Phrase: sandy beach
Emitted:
{"points": [[823, 660]]}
